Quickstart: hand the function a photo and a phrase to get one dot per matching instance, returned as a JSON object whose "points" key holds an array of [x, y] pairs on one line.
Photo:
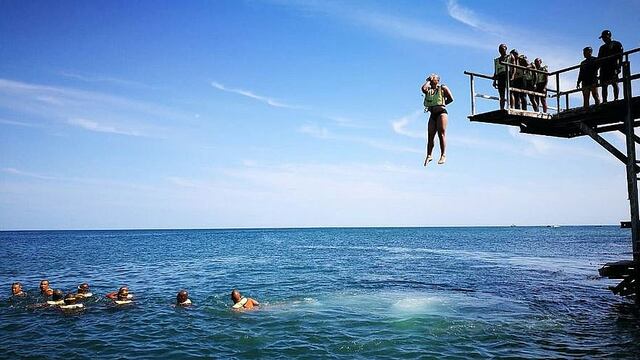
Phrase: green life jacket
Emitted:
{"points": [[434, 97], [499, 68], [542, 78], [530, 75]]}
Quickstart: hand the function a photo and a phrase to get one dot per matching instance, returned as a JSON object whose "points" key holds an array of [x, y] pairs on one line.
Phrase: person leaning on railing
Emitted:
{"points": [[541, 85]]}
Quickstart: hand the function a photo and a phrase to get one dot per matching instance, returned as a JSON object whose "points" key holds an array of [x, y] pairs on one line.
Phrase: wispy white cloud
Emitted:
{"points": [[104, 79], [267, 100], [16, 172], [546, 146], [56, 104], [91, 125], [543, 45], [314, 131], [469, 17], [400, 125], [17, 123], [324, 134]]}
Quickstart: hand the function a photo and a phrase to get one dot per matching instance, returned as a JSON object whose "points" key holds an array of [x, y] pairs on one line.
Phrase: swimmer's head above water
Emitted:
{"points": [[16, 289], [57, 295], [83, 288], [70, 299], [123, 294], [44, 288], [235, 296], [182, 299]]}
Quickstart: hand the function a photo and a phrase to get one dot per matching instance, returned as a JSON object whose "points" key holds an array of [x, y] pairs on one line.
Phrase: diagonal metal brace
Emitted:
{"points": [[605, 144]]}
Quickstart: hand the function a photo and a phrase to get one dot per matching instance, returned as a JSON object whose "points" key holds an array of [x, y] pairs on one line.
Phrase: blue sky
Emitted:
{"points": [[204, 114]]}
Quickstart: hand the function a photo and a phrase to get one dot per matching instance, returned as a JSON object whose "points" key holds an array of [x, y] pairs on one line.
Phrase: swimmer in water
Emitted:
{"points": [[45, 290], [121, 296], [57, 298], [182, 299], [16, 289], [241, 302], [84, 291], [71, 303]]}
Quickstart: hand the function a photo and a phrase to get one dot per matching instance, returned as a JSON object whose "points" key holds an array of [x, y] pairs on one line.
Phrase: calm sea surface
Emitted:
{"points": [[529, 292]]}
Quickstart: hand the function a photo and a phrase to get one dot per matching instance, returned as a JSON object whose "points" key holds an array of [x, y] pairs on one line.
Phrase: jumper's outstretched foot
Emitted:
{"points": [[428, 159], [443, 159]]}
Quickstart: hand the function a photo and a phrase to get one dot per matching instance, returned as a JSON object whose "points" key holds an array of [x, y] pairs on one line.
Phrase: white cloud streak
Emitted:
{"points": [[17, 123], [91, 125], [74, 107], [398, 26], [105, 79], [400, 125], [324, 134], [267, 100]]}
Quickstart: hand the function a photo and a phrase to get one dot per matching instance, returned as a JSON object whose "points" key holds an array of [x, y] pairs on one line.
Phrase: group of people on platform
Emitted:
{"points": [[527, 78], [74, 301], [530, 79]]}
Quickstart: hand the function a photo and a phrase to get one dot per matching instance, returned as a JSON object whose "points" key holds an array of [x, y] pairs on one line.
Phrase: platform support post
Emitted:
{"points": [[632, 180], [473, 96]]}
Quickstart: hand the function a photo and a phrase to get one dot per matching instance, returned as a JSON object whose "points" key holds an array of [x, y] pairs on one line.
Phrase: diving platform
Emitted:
{"points": [[601, 118], [568, 122]]}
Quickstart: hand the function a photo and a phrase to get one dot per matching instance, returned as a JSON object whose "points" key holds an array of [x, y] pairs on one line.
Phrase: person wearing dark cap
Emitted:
{"points": [[588, 77], [609, 68]]}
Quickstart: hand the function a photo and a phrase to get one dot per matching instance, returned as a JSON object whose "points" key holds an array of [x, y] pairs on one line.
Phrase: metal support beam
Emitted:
{"points": [[620, 127], [632, 181], [473, 96], [607, 145]]}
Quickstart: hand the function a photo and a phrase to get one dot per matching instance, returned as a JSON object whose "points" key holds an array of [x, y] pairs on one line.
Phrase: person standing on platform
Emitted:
{"points": [[517, 83], [609, 68], [541, 84], [500, 74], [588, 77], [436, 98], [530, 82]]}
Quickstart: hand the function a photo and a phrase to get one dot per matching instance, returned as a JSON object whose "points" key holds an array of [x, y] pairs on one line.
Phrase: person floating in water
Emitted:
{"points": [[121, 297], [16, 289], [84, 291], [436, 97], [588, 77], [71, 304], [609, 68], [241, 302], [45, 290], [182, 299], [57, 298]]}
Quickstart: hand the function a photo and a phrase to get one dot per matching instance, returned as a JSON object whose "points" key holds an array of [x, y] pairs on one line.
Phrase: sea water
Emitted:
{"points": [[526, 292]]}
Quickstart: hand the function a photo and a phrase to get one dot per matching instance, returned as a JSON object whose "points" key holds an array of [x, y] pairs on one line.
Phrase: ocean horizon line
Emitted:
{"points": [[258, 228]]}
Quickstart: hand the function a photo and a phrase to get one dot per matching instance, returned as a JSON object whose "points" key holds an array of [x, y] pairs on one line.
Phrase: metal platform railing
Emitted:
{"points": [[555, 75]]}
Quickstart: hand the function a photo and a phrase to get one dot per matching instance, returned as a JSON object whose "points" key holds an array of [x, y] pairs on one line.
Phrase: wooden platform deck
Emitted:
{"points": [[602, 118]]}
